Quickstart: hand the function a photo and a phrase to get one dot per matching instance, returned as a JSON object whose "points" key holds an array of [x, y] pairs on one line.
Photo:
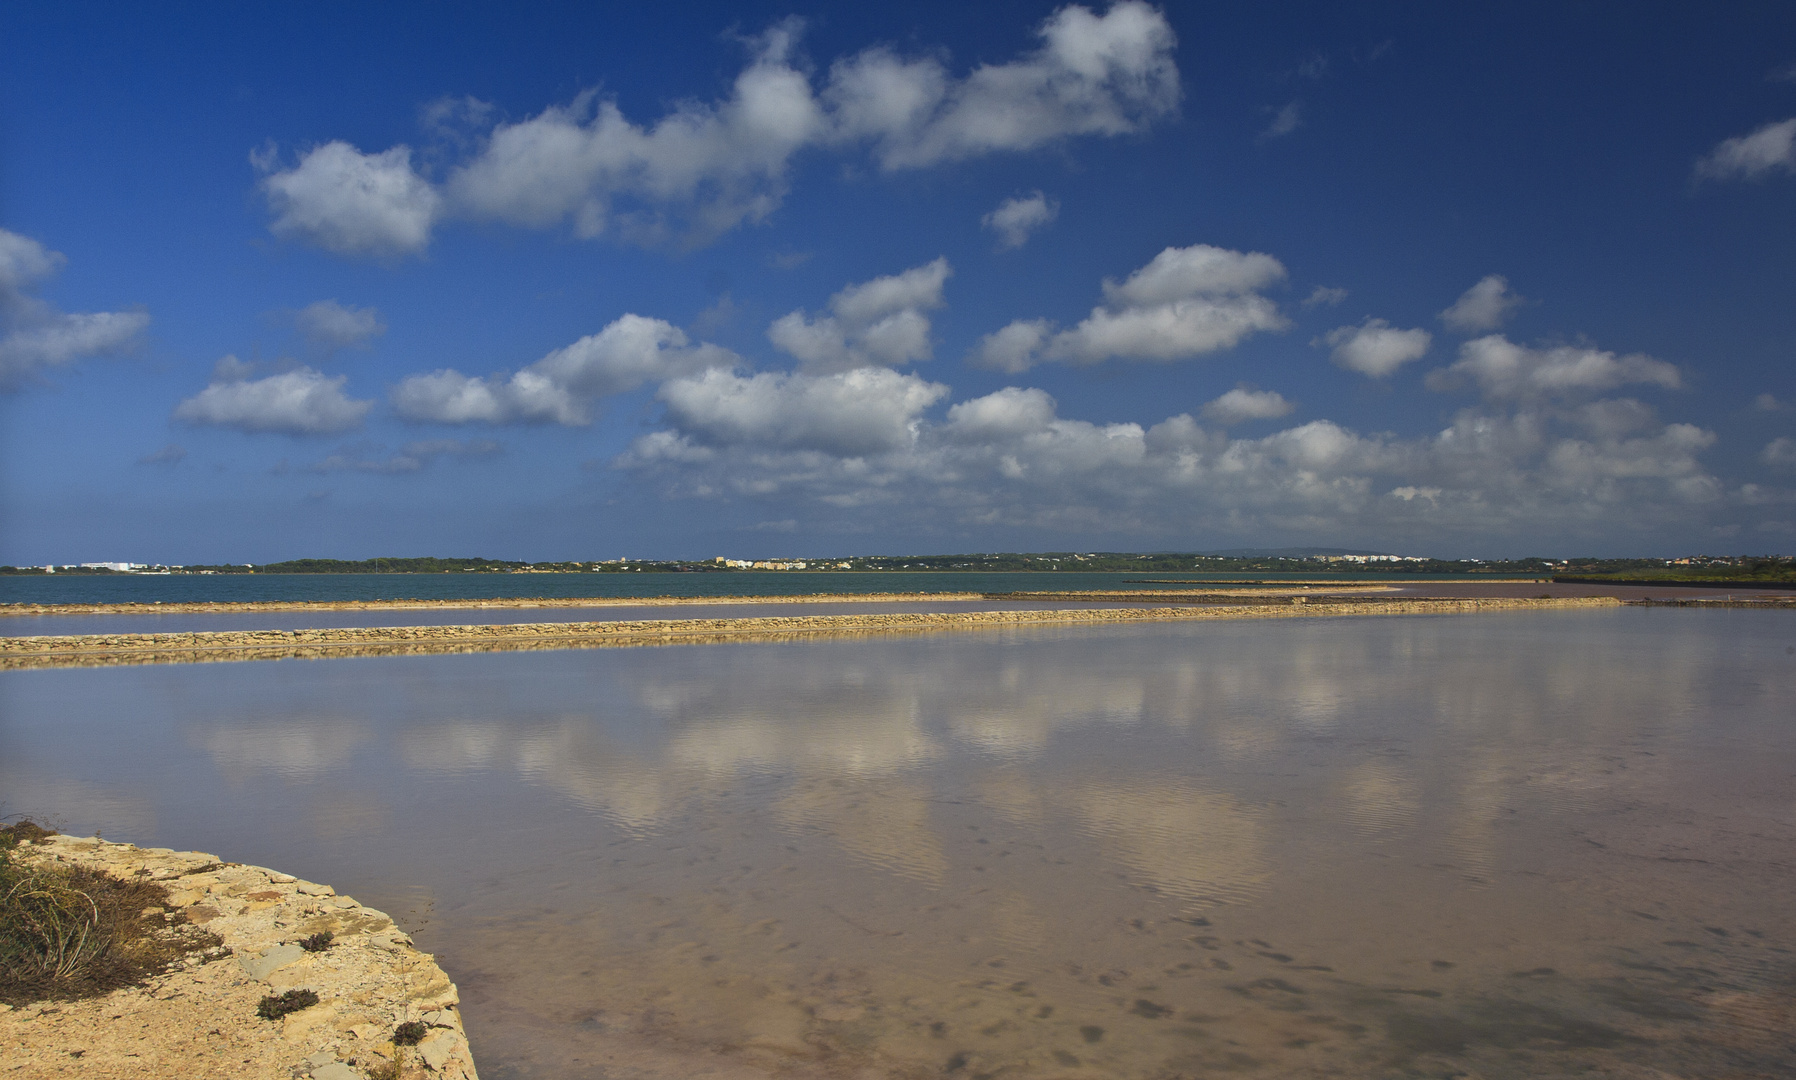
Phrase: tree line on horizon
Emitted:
{"points": [[1769, 568]]}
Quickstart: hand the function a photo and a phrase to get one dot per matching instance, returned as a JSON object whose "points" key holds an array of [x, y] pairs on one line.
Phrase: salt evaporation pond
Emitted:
{"points": [[1500, 845]]}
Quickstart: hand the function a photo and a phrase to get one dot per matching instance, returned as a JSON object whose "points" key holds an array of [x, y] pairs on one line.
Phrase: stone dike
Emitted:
{"points": [[200, 1018], [89, 650]]}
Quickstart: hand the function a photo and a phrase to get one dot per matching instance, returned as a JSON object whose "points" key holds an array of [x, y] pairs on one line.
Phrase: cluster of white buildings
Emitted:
{"points": [[767, 564], [116, 567], [1369, 558]]}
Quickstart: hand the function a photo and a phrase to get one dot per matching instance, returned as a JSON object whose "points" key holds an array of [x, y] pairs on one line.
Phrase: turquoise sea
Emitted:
{"points": [[240, 588]]}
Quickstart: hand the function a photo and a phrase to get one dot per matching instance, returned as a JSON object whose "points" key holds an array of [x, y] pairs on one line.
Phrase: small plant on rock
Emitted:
{"points": [[316, 942], [410, 1033], [275, 1006]]}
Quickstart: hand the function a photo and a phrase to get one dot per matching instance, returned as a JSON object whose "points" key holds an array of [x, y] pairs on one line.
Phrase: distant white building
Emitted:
{"points": [[120, 567]]}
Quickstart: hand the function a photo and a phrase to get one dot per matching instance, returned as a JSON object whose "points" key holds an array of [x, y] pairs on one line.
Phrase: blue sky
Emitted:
{"points": [[755, 279]]}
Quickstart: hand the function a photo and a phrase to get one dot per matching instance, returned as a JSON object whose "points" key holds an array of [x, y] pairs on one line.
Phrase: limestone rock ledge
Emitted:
{"points": [[199, 1019]]}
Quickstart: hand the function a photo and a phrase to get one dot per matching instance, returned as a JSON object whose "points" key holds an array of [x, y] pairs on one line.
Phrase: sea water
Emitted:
{"points": [[337, 588], [1514, 844]]}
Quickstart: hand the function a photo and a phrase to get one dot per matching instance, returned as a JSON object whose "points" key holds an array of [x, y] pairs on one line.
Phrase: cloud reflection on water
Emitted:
{"points": [[838, 845]]}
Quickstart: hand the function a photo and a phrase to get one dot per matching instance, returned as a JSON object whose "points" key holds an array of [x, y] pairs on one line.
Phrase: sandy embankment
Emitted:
{"points": [[106, 649], [199, 1019]]}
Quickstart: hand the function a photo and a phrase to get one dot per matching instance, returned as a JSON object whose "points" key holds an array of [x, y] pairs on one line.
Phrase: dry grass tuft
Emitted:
{"points": [[71, 932]]}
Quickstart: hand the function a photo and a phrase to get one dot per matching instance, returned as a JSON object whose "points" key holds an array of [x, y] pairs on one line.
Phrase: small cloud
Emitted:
{"points": [[458, 121], [301, 401], [1186, 302], [414, 456], [563, 386], [352, 203], [882, 321], [264, 158], [1374, 348], [1482, 307], [1242, 403], [1411, 494], [171, 454], [335, 326], [716, 317], [1314, 67], [1771, 148], [789, 260], [1503, 370], [34, 334], [1325, 296], [1783, 74], [1015, 219], [1779, 453], [1284, 121], [1769, 403]]}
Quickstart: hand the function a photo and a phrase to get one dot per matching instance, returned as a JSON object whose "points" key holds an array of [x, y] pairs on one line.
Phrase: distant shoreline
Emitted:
{"points": [[1678, 583]]}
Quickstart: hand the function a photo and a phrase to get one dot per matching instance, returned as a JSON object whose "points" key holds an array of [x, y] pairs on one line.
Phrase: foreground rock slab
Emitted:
{"points": [[200, 1021]]}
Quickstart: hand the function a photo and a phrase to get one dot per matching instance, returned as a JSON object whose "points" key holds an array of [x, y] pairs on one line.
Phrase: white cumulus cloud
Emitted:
{"points": [[338, 326], [1242, 404], [1771, 148], [1503, 370], [352, 203], [34, 335], [705, 167], [1375, 348], [1016, 218], [877, 322], [630, 352], [1009, 459], [722, 163], [1108, 74], [297, 402], [1482, 307], [1779, 452], [845, 414], [1185, 303]]}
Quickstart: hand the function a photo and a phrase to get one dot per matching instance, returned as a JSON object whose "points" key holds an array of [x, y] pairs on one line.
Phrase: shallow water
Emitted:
{"points": [[1501, 845]]}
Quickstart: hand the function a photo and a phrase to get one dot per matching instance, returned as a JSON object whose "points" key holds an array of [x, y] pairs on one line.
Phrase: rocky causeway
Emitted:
{"points": [[86, 650], [199, 1019]]}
